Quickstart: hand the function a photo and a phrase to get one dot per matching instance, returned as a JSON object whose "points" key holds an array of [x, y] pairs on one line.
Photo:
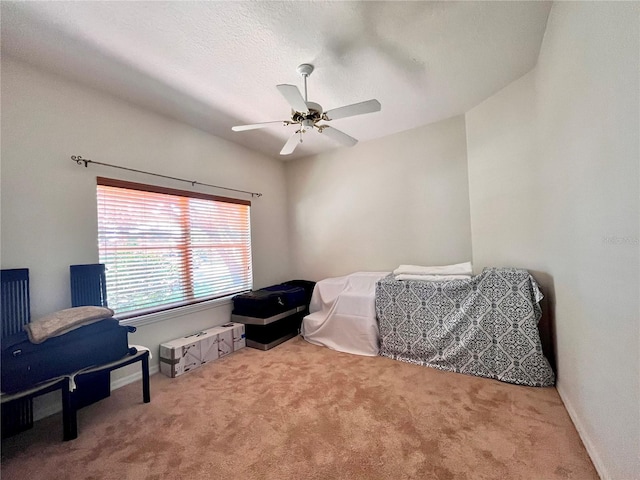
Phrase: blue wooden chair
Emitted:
{"points": [[89, 287], [15, 312]]}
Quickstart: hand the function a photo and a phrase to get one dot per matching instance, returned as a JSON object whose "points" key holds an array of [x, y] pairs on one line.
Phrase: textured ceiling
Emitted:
{"points": [[216, 64]]}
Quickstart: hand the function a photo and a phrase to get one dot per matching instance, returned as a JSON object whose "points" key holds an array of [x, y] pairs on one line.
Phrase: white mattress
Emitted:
{"points": [[342, 314]]}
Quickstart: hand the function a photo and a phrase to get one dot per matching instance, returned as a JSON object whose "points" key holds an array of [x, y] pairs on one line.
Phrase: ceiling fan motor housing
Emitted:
{"points": [[314, 115]]}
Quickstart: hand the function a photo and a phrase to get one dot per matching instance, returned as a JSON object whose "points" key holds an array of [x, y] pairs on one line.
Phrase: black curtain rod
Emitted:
{"points": [[79, 160]]}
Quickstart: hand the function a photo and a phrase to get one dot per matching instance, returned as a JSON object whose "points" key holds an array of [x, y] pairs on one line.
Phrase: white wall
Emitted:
{"points": [[553, 172], [504, 179], [49, 203], [398, 199]]}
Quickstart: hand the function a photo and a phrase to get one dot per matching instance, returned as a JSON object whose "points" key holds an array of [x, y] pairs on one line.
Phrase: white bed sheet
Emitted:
{"points": [[343, 315]]}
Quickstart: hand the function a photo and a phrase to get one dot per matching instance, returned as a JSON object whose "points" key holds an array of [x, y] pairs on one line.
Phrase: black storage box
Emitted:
{"points": [[268, 301], [264, 337], [273, 314]]}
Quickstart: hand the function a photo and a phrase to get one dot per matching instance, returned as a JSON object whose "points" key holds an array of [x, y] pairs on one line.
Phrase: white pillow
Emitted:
{"points": [[456, 269]]}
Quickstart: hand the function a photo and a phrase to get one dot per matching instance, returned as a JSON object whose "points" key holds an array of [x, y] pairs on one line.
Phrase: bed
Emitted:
{"points": [[486, 325]]}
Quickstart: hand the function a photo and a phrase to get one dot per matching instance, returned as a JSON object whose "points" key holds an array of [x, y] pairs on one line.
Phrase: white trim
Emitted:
{"points": [[48, 408], [586, 440], [176, 312], [134, 377]]}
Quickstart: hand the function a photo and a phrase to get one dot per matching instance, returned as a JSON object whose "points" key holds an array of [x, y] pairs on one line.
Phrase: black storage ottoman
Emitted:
{"points": [[273, 315]]}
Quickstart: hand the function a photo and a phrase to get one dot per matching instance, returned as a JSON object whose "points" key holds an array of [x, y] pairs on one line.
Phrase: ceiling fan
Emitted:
{"points": [[306, 115]]}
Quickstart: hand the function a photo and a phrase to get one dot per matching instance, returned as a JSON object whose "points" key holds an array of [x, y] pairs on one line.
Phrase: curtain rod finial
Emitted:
{"points": [[79, 160]]}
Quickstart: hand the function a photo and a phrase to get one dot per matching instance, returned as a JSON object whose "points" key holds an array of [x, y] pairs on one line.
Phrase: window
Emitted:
{"points": [[165, 248]]}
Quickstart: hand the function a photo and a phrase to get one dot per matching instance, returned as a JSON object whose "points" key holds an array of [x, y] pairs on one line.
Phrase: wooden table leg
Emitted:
{"points": [[69, 414], [146, 393]]}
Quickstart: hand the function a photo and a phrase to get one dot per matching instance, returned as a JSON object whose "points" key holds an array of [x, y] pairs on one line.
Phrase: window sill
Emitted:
{"points": [[150, 318]]}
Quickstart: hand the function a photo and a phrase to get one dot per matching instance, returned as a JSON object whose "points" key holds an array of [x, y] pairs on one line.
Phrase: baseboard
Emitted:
{"points": [[586, 440], [50, 404], [134, 377], [46, 408]]}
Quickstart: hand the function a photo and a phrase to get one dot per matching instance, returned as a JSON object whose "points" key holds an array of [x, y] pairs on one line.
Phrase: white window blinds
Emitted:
{"points": [[165, 248]]}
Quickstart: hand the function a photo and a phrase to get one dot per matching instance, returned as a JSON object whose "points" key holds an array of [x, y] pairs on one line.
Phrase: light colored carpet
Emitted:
{"points": [[300, 411]]}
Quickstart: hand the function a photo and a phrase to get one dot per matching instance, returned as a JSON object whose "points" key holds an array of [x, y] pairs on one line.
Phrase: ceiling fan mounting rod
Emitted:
{"points": [[305, 70], [305, 88]]}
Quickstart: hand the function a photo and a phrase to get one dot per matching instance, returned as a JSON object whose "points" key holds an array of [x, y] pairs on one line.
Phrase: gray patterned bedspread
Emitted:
{"points": [[485, 326]]}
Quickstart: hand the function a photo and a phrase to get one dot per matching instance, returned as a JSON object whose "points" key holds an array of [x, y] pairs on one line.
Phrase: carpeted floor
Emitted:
{"points": [[300, 411]]}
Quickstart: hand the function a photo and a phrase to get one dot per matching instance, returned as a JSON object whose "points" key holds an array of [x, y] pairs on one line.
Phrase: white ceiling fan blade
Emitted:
{"points": [[294, 97], [337, 135], [253, 126], [354, 109], [291, 144]]}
